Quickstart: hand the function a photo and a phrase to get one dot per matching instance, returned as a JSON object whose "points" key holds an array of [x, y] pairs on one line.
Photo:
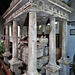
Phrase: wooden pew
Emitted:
{"points": [[4, 67]]}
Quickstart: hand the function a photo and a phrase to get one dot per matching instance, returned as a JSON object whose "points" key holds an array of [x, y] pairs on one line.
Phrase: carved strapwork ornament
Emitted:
{"points": [[53, 7]]}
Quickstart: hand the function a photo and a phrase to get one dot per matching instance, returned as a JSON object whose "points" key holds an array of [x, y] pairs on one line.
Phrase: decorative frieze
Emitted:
{"points": [[14, 4], [50, 9], [38, 5]]}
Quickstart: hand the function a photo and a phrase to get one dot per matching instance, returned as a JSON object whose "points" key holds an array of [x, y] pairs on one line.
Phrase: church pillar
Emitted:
{"points": [[7, 52], [52, 68], [14, 62], [32, 57], [64, 60]]}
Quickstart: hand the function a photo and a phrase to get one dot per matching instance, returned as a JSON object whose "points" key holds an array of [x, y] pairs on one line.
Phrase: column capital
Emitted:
{"points": [[9, 23], [51, 17], [64, 20], [17, 21], [64, 61], [32, 10]]}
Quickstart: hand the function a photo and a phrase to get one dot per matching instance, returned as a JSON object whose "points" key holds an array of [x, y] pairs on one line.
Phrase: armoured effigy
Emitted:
{"points": [[42, 51], [23, 49]]}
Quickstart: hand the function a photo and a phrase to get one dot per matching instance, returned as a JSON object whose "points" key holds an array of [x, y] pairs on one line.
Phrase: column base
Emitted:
{"points": [[6, 55], [24, 74], [14, 66], [64, 62], [52, 69], [50, 73], [33, 73]]}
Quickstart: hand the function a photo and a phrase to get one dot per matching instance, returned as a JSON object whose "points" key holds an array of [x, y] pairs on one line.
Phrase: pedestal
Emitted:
{"points": [[33, 73], [6, 55], [36, 73], [64, 62], [14, 66], [52, 69]]}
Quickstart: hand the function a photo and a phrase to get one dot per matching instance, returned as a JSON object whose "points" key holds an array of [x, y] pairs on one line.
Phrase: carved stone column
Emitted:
{"points": [[21, 30], [7, 52], [44, 29], [64, 60], [52, 68], [32, 58], [14, 62]]}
